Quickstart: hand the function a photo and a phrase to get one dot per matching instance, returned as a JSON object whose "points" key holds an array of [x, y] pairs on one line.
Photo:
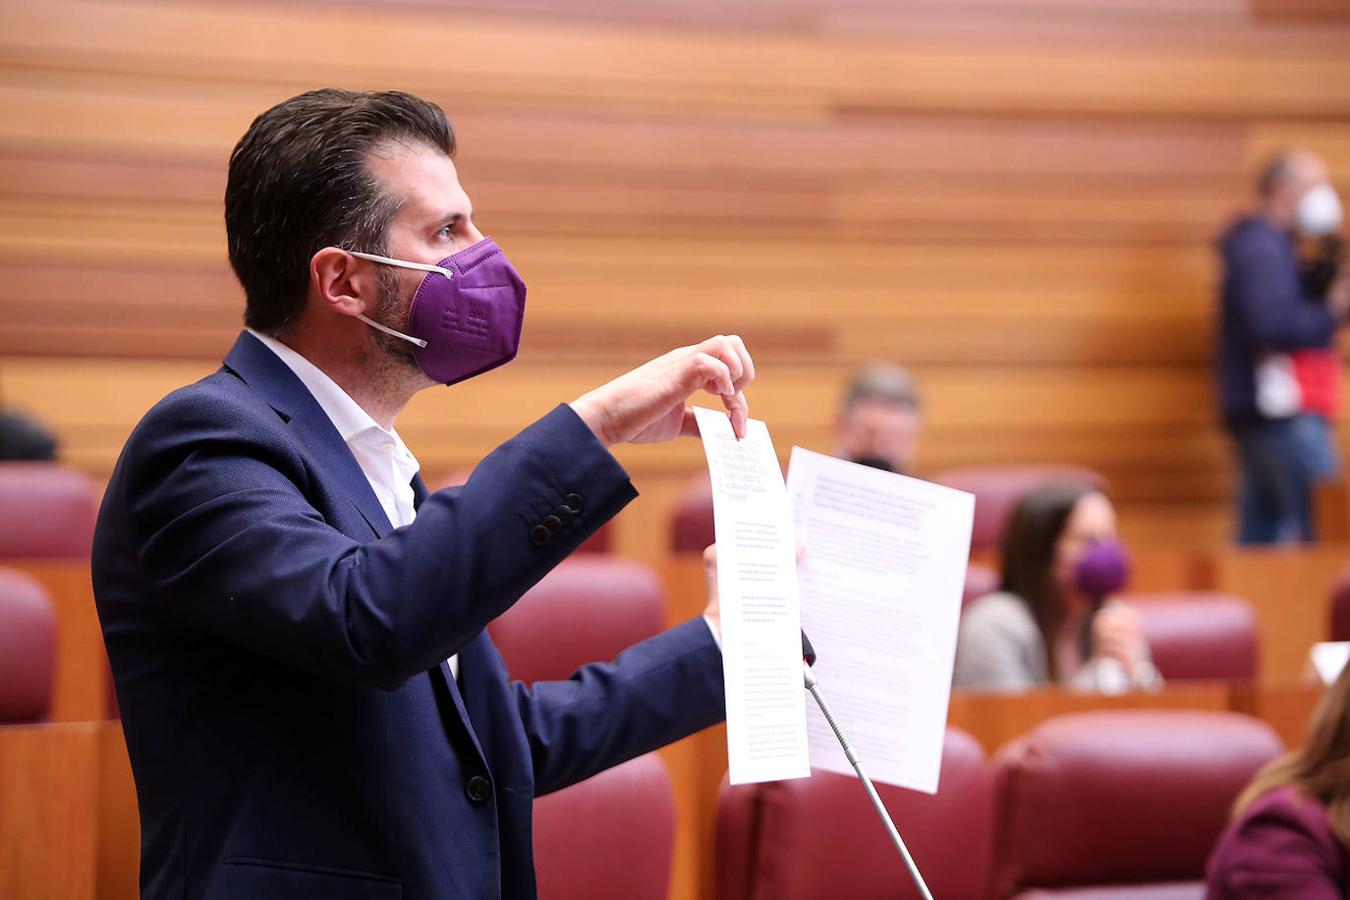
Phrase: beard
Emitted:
{"points": [[395, 353]]}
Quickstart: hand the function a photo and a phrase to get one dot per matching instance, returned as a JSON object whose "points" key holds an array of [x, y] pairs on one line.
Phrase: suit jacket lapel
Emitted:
{"points": [[448, 678], [420, 493], [273, 380]]}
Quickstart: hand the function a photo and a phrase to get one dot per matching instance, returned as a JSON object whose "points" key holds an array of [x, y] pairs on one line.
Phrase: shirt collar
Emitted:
{"points": [[351, 421]]}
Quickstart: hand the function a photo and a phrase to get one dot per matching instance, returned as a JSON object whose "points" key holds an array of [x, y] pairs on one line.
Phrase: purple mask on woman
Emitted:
{"points": [[1103, 569], [466, 315]]}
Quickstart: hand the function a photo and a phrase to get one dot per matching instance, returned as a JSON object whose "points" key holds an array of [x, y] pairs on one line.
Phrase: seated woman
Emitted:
{"points": [[1291, 826], [1052, 621]]}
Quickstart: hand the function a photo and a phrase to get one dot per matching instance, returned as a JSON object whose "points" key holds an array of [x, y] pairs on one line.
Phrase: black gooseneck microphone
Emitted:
{"points": [[809, 660]]}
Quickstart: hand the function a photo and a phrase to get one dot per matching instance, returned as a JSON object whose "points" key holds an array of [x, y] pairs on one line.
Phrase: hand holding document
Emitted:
{"points": [[757, 595], [880, 594]]}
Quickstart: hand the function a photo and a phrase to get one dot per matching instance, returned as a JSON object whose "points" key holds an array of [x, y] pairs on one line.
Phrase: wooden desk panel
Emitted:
{"points": [[118, 853], [68, 807], [49, 810], [996, 719], [1290, 589], [698, 763]]}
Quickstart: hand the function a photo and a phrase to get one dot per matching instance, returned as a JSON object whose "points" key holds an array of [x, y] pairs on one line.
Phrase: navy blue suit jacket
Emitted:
{"points": [[279, 652]]}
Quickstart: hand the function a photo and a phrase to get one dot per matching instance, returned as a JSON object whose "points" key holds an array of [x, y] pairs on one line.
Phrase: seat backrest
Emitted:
{"points": [[1091, 800], [611, 836], [1162, 890], [27, 649], [998, 489], [691, 524], [57, 506], [1340, 607], [1199, 634], [586, 610], [980, 580], [820, 837]]}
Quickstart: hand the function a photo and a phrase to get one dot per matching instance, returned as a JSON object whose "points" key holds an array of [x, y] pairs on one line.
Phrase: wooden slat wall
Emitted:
{"points": [[1016, 197]]}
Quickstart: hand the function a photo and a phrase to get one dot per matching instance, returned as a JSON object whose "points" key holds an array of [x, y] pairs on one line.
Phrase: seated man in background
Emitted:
{"points": [[296, 626], [1278, 372], [1045, 624], [22, 438], [880, 420]]}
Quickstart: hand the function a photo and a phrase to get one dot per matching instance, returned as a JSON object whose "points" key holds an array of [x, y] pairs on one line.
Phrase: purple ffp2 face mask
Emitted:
{"points": [[466, 315]]}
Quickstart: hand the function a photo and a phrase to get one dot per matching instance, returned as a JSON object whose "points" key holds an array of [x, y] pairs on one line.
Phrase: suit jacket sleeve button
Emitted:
{"points": [[564, 515], [478, 790], [539, 535], [553, 524], [573, 502]]}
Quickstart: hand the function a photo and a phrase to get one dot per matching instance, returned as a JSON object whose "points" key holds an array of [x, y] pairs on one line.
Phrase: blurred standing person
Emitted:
{"points": [[1278, 371], [880, 420]]}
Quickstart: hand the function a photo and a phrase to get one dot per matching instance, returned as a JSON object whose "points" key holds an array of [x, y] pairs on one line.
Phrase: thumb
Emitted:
{"points": [[689, 425]]}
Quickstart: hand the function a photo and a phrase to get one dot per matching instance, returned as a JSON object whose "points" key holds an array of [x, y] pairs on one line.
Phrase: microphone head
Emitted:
{"points": [[808, 652]]}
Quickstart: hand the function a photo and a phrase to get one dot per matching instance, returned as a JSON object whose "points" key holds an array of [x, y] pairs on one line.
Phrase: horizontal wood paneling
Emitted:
{"points": [[1016, 198]]}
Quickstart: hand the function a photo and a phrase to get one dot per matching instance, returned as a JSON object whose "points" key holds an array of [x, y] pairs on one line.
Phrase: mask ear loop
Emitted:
{"points": [[403, 263], [387, 330]]}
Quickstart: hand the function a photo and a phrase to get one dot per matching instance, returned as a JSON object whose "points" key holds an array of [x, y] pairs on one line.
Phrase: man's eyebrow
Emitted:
{"points": [[452, 218]]}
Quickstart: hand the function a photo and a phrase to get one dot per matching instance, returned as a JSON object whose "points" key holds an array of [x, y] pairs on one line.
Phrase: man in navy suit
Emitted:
{"points": [[296, 628]]}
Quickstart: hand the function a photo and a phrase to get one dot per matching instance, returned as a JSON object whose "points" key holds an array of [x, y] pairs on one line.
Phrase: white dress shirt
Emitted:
{"points": [[385, 460]]}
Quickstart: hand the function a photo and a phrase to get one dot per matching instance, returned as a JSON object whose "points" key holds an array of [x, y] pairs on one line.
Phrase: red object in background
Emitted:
{"points": [[1319, 379], [998, 489], [27, 649], [1199, 635], [820, 837], [588, 609], [56, 505], [1133, 798], [610, 837]]}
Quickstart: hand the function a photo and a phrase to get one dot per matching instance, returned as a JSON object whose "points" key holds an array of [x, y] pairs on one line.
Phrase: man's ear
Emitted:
{"points": [[344, 283]]}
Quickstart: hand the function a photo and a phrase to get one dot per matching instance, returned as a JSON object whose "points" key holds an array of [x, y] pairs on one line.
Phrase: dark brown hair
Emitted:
{"points": [[298, 183], [1320, 769], [1029, 556]]}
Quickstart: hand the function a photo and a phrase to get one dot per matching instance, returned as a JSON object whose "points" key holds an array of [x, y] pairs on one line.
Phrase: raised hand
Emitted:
{"points": [[649, 404]]}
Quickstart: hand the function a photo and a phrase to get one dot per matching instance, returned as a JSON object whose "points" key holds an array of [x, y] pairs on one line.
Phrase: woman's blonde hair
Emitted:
{"points": [[1320, 769]]}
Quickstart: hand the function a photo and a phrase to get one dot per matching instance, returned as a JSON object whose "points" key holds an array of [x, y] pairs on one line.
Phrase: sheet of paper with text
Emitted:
{"points": [[757, 593], [881, 583]]}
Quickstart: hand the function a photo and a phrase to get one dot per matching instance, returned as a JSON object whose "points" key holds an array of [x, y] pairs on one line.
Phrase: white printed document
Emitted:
{"points": [[882, 576], [757, 593]]}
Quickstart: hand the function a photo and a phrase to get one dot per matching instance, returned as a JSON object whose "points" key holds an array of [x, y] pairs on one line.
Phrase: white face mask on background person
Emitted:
{"points": [[1319, 211]]}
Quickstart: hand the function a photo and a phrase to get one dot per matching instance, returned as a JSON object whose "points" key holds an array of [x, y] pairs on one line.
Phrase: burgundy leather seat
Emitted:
{"points": [[980, 580], [57, 506], [27, 649], [1340, 607], [1199, 635], [611, 836], [998, 489], [600, 542], [1092, 804], [586, 610], [691, 525], [819, 836]]}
